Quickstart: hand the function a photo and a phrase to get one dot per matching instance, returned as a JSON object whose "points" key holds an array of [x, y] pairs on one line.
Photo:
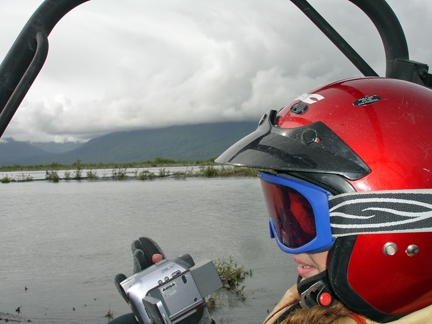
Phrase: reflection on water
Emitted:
{"points": [[66, 241]]}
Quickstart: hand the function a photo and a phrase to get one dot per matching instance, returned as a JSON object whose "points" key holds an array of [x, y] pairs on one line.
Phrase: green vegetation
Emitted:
{"points": [[92, 175], [211, 171], [24, 177], [119, 171], [77, 174], [232, 276], [163, 173], [170, 144], [52, 176], [183, 174], [6, 179], [18, 178], [79, 165], [159, 161], [145, 175], [67, 175]]}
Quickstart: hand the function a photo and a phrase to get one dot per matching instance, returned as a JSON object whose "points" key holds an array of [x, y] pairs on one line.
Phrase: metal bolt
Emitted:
{"points": [[423, 73], [412, 250], [309, 136], [390, 248]]}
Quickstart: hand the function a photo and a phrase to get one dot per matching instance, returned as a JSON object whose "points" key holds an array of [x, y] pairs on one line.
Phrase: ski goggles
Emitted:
{"points": [[299, 214]]}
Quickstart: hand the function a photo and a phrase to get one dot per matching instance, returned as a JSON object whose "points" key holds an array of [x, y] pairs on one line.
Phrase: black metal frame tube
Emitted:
{"points": [[390, 30], [385, 21], [26, 81], [22, 53], [334, 36]]}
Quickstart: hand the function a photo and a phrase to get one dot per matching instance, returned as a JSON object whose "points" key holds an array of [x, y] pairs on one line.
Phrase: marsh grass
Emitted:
{"points": [[232, 276], [6, 179], [212, 302], [24, 177], [190, 173], [77, 174], [52, 175], [163, 173], [119, 173], [209, 171], [67, 175], [237, 171], [78, 164], [179, 175], [92, 175], [184, 174], [145, 175], [18, 178], [110, 313]]}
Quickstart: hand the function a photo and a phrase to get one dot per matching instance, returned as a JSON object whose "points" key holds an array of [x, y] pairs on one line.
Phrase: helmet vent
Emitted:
{"points": [[299, 108]]}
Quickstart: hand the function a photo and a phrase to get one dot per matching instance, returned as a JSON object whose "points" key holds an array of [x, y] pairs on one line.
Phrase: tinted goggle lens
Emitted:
{"points": [[299, 214], [291, 213]]}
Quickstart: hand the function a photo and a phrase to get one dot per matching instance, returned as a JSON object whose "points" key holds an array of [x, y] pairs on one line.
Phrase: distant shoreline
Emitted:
{"points": [[78, 164], [120, 172]]}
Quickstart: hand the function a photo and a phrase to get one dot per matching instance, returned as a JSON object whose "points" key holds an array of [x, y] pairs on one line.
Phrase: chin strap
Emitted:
{"points": [[315, 290]]}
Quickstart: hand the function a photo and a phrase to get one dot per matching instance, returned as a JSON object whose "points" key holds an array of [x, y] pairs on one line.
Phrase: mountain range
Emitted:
{"points": [[180, 143]]}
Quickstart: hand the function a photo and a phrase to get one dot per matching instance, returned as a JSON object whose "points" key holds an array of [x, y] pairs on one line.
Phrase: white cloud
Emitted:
{"points": [[119, 65]]}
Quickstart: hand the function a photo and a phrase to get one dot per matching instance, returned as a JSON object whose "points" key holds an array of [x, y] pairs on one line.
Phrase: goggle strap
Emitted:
{"points": [[381, 212]]}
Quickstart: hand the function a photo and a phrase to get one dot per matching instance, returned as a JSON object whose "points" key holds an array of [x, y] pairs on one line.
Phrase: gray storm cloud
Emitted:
{"points": [[133, 64]]}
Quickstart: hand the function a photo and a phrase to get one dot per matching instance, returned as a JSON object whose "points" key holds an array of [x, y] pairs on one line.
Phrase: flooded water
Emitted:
{"points": [[63, 243]]}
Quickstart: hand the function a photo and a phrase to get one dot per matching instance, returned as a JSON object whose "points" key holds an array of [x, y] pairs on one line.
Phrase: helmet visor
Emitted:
{"points": [[310, 148], [299, 214]]}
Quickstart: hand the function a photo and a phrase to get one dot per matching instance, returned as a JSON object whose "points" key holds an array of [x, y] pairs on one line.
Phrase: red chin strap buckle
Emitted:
{"points": [[325, 299], [316, 291]]}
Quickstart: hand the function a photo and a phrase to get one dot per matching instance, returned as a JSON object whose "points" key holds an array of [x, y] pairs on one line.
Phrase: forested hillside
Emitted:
{"points": [[179, 143]]}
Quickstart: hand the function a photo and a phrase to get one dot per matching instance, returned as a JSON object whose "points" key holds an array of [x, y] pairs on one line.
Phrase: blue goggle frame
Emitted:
{"points": [[317, 204]]}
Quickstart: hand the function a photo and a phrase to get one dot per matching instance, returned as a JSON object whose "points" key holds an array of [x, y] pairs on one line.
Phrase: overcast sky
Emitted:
{"points": [[117, 65]]}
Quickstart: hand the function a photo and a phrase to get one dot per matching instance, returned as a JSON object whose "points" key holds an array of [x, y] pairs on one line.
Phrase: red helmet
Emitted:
{"points": [[359, 135]]}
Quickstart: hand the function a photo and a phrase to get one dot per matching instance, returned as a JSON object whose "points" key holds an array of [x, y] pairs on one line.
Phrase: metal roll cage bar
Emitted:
{"points": [[27, 55]]}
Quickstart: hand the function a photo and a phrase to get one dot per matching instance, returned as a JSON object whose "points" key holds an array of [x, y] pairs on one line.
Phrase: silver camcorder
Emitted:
{"points": [[170, 290]]}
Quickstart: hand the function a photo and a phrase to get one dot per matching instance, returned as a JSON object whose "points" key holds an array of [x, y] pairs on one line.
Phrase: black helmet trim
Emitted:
{"points": [[338, 262], [331, 182], [310, 148]]}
